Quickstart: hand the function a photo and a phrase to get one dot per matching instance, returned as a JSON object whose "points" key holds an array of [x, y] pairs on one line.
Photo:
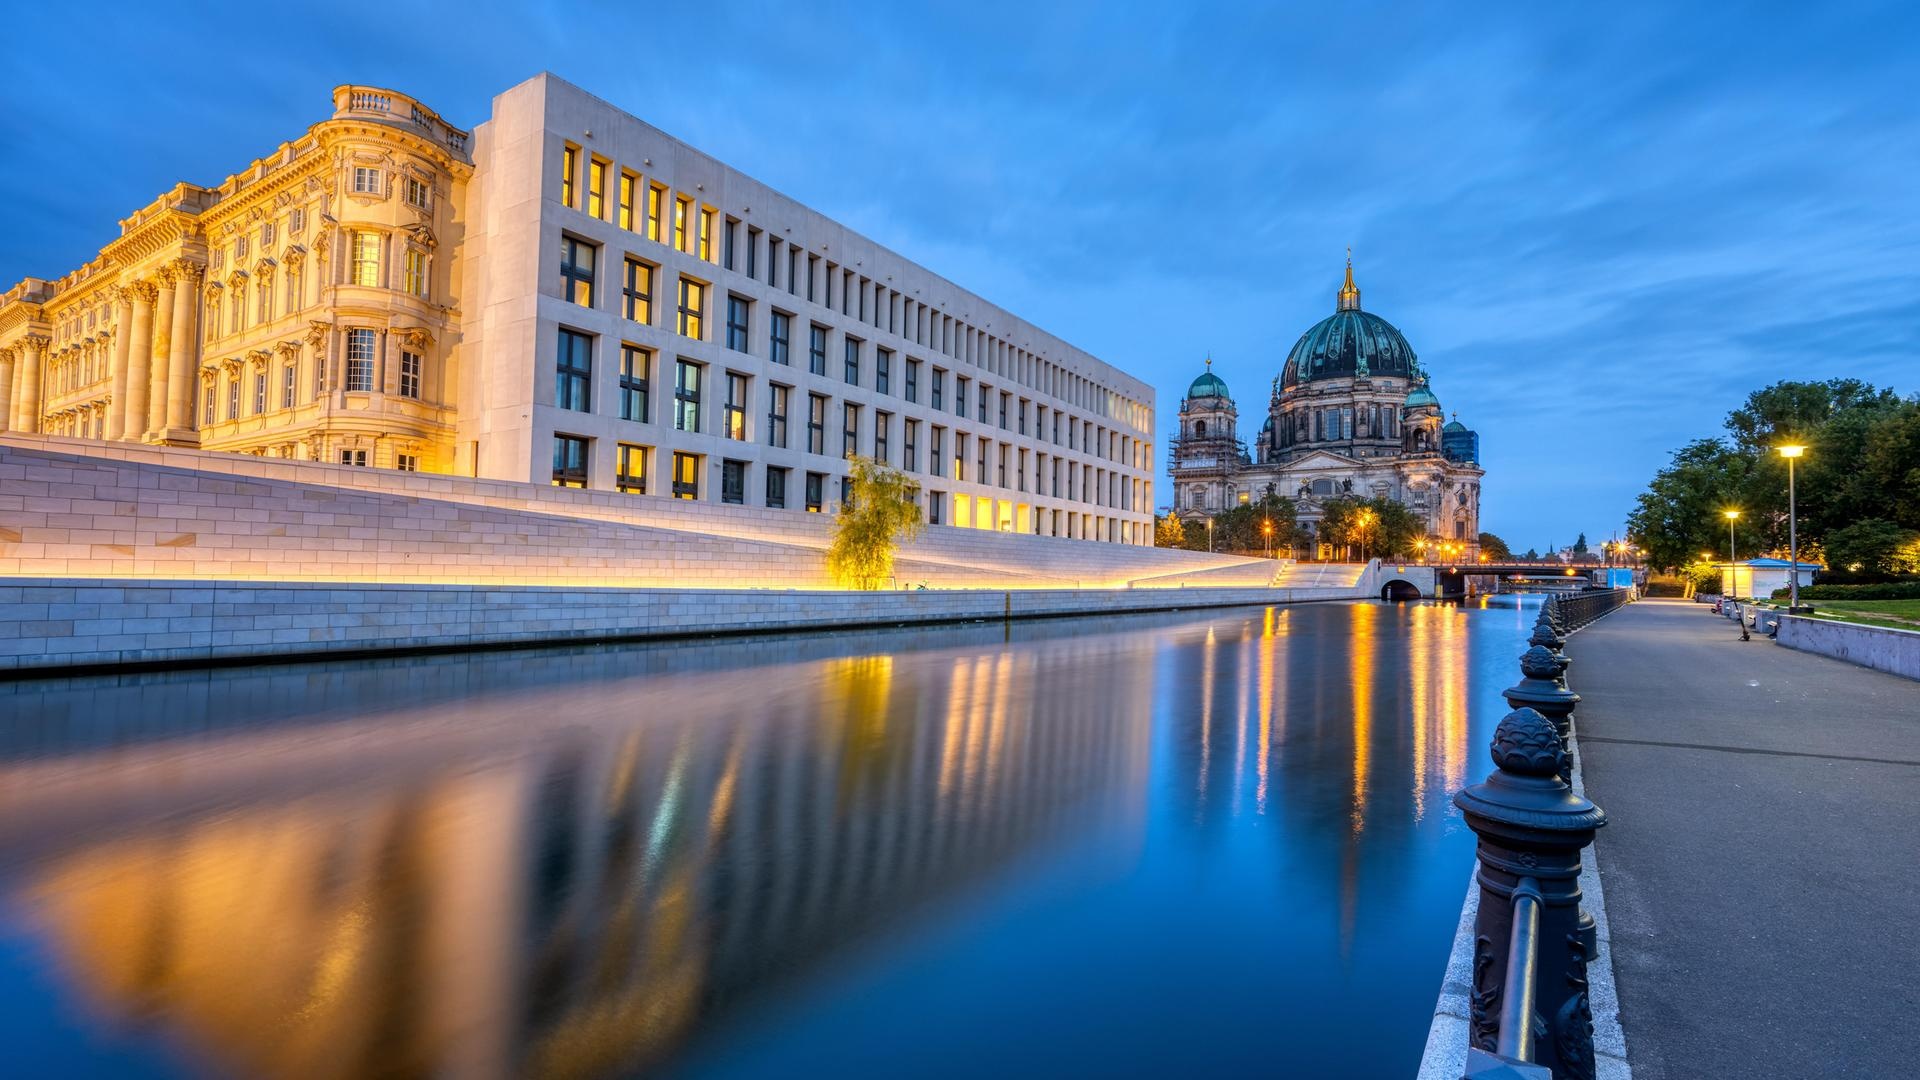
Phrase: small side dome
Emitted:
{"points": [[1420, 397], [1208, 385], [1454, 425]]}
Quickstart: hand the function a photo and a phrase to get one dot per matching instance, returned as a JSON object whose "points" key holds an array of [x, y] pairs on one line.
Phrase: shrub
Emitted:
{"points": [[1899, 590]]}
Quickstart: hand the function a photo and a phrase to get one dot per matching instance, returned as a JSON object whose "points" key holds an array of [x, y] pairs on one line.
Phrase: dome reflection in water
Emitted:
{"points": [[1199, 842]]}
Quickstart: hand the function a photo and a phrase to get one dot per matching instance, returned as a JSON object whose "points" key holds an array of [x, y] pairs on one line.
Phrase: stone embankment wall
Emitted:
{"points": [[1896, 652]]}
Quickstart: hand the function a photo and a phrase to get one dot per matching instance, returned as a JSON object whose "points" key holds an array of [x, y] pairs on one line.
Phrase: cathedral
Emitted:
{"points": [[1351, 416]]}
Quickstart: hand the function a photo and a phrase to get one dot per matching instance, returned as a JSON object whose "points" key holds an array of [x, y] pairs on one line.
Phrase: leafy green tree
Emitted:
{"points": [[1494, 548], [1875, 545], [880, 511], [1244, 528], [1681, 512], [1532, 554], [1580, 544], [1376, 527]]}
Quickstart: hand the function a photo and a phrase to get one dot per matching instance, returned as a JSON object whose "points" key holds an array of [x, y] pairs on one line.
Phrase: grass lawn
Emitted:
{"points": [[1899, 614]]}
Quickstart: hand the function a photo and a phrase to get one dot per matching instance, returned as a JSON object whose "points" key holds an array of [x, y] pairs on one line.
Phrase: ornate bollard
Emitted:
{"points": [[1531, 940], [1546, 635], [1543, 690]]}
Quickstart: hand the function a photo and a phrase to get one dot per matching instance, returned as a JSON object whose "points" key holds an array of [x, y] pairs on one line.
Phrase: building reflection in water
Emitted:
{"points": [[599, 861]]}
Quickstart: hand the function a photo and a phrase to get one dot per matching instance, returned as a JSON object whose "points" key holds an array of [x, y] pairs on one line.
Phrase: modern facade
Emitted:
{"points": [[1352, 416], [566, 295]]}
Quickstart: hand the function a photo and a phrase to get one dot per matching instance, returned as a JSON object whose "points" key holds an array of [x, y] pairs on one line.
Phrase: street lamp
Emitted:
{"points": [[1732, 516], [1266, 533], [1366, 519], [1790, 452], [1209, 536]]}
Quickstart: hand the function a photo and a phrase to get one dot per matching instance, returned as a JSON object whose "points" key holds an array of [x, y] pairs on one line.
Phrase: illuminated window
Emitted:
{"points": [[686, 475], [816, 424], [737, 323], [628, 182], [360, 350], [407, 462], [777, 398], [366, 259], [706, 233], [569, 162], [733, 481], [631, 473], [366, 181], [636, 383], [597, 188], [682, 241], [686, 395], [410, 366], [419, 194], [817, 350], [638, 292], [776, 488], [734, 411], [656, 198], [569, 461], [415, 273], [816, 492], [573, 372], [781, 328], [693, 308], [577, 260]]}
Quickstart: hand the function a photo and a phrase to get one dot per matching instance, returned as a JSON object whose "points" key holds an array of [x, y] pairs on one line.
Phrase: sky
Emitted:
{"points": [[1599, 225]]}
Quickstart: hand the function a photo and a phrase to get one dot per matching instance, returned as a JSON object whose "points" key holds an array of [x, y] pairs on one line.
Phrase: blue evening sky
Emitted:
{"points": [[1598, 224]]}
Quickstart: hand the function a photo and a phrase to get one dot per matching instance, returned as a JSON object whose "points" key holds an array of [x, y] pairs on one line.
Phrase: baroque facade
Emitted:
{"points": [[566, 294], [1351, 415]]}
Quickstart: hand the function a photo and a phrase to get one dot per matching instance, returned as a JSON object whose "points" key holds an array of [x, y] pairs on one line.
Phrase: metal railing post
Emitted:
{"points": [[1532, 828], [1543, 690]]}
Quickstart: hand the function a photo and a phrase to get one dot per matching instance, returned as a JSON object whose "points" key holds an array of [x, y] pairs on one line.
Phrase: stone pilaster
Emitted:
{"points": [[7, 359], [117, 360], [27, 397], [183, 355], [155, 418], [133, 378]]}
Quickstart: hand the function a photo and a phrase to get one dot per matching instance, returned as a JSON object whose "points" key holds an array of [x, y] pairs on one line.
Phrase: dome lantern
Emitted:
{"points": [[1349, 298]]}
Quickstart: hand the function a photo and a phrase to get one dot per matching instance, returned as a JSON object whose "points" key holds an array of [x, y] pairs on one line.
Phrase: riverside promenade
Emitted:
{"points": [[1759, 858]]}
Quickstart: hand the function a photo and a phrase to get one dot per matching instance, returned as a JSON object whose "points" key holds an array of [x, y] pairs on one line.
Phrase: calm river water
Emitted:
{"points": [[1187, 844]]}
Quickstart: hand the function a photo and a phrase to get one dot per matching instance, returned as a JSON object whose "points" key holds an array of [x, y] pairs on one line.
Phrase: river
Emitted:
{"points": [[1199, 843]]}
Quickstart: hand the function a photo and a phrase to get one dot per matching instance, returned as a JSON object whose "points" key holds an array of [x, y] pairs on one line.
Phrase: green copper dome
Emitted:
{"points": [[1348, 344], [1420, 395], [1208, 385]]}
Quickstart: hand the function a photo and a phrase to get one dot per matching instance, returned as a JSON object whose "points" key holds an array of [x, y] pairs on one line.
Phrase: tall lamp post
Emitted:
{"points": [[1792, 451], [1266, 533], [1366, 519], [1209, 536], [1733, 574]]}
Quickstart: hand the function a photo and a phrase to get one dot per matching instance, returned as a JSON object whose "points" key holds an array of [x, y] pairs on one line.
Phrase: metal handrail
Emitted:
{"points": [[1523, 955]]}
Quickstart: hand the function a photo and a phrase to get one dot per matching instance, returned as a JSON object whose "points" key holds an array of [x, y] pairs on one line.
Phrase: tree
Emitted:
{"points": [[880, 511], [1532, 554], [1244, 528], [1494, 548], [1379, 527], [1580, 544], [1876, 546], [1170, 532]]}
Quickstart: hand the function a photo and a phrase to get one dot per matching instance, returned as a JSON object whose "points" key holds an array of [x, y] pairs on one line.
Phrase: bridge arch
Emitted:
{"points": [[1399, 589]]}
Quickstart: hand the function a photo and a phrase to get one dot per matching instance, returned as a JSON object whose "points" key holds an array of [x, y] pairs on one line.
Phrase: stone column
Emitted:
{"points": [[122, 342], [27, 399], [6, 388], [155, 418], [133, 377], [183, 353]]}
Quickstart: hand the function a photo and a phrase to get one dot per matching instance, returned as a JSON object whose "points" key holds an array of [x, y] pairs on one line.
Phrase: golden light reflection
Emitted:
{"points": [[1207, 651], [1362, 673], [1267, 648]]}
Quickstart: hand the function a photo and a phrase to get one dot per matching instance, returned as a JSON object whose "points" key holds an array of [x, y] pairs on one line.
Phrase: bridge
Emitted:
{"points": [[1417, 581]]}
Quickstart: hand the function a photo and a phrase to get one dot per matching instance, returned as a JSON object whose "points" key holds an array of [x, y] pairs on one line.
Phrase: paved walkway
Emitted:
{"points": [[1762, 853]]}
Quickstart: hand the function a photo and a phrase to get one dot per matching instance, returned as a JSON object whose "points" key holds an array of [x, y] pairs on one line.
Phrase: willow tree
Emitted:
{"points": [[880, 511]]}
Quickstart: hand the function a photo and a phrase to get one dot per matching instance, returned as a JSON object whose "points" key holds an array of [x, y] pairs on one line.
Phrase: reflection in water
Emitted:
{"points": [[599, 861]]}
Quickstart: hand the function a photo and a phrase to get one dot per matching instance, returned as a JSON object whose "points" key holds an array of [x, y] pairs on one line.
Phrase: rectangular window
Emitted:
{"points": [[288, 374], [1023, 415], [628, 182], [780, 330], [656, 198], [636, 383], [816, 492], [935, 463], [776, 488], [849, 430], [357, 458], [366, 259], [913, 380], [816, 424], [938, 388], [935, 500], [597, 188], [883, 370], [416, 273], [409, 374], [419, 194], [682, 238], [737, 323], [407, 462], [846, 491], [569, 461], [734, 418], [960, 396], [631, 469], [793, 270], [569, 166], [881, 447], [207, 399], [686, 475], [259, 392], [366, 180], [637, 292], [1002, 475], [986, 392], [577, 259], [729, 241], [980, 475], [686, 395], [777, 399], [733, 481], [817, 350], [852, 373], [706, 234], [910, 457], [360, 346], [693, 308], [959, 455], [573, 372]]}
